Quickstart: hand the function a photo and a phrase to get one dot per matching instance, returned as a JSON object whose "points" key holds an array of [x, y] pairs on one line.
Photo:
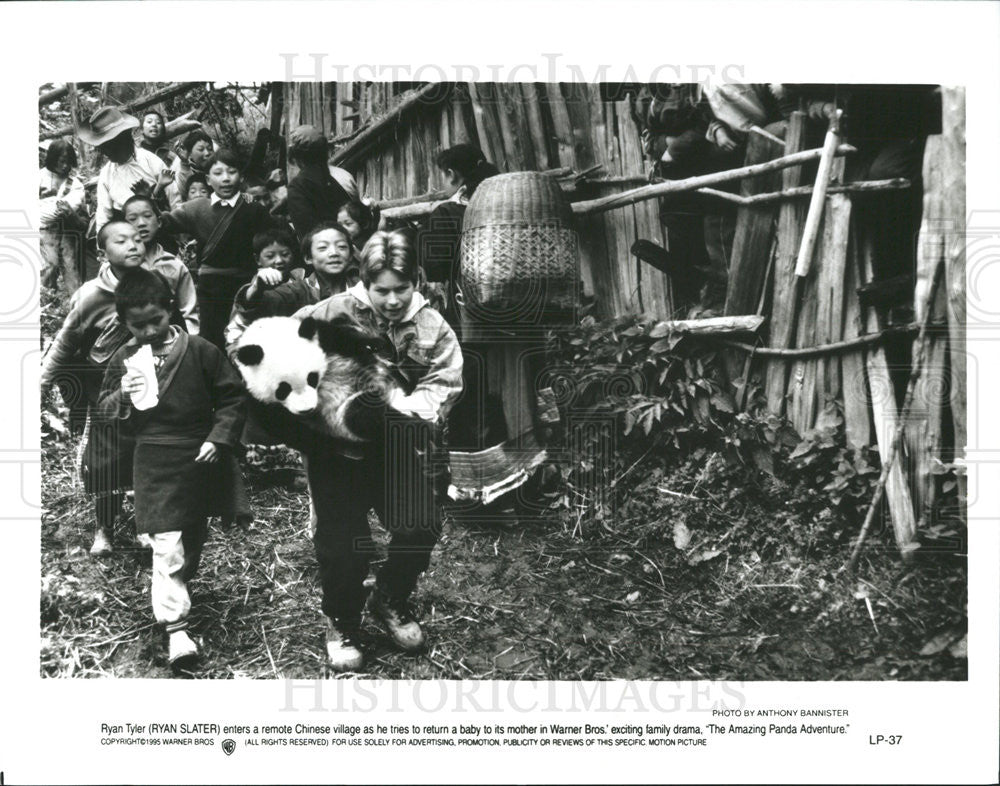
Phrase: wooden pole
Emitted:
{"points": [[818, 201], [420, 206], [59, 92], [349, 153], [74, 114], [711, 326], [766, 134], [832, 348], [897, 438], [858, 187], [140, 103], [701, 181]]}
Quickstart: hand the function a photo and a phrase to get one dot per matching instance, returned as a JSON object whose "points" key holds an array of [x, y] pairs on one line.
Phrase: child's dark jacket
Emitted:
{"points": [[201, 400]]}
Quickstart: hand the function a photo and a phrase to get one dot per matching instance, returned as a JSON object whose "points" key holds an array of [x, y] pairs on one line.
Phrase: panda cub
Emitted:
{"points": [[327, 375]]}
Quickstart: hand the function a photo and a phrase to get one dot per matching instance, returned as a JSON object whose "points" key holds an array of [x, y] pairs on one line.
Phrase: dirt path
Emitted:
{"points": [[538, 600]]}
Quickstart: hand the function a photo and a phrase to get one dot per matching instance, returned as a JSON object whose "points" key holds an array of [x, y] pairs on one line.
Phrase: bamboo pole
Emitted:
{"points": [[701, 181], [858, 187], [897, 437], [818, 201], [799, 192], [725, 195], [710, 326], [832, 348], [140, 103]]}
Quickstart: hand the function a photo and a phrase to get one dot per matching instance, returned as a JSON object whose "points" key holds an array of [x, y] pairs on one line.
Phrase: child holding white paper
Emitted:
{"points": [[182, 401]]}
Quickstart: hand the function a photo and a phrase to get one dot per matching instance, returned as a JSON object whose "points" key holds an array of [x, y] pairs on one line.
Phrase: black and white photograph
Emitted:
{"points": [[513, 395], [675, 375]]}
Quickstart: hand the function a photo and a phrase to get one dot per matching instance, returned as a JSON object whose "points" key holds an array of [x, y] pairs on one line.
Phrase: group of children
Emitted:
{"points": [[146, 330]]}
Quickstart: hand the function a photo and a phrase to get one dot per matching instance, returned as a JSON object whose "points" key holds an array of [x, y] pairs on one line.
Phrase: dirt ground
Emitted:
{"points": [[687, 581]]}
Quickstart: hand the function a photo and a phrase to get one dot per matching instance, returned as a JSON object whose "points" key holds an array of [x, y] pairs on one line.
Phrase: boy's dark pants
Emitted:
{"points": [[216, 293], [403, 491]]}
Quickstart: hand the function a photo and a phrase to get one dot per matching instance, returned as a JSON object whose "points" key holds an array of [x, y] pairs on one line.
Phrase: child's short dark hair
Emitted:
{"points": [[197, 177], [469, 162], [307, 240], [102, 236], [269, 237], [57, 148], [228, 157], [389, 251], [139, 287], [149, 112], [132, 200], [366, 215], [194, 138]]}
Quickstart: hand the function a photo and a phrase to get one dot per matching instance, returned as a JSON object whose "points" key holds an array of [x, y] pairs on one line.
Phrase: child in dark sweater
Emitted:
{"points": [[185, 418], [224, 226]]}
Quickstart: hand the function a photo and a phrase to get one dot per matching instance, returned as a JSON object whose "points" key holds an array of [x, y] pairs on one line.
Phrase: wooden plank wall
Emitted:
{"points": [[535, 126], [524, 126]]}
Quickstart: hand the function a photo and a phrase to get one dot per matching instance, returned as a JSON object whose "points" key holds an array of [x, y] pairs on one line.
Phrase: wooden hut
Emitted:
{"points": [[824, 342]]}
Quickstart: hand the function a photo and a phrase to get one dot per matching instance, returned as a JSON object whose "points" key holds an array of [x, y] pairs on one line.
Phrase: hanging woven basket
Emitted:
{"points": [[520, 253]]}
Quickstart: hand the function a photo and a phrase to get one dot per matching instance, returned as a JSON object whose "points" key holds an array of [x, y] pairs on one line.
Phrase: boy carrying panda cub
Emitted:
{"points": [[398, 472]]}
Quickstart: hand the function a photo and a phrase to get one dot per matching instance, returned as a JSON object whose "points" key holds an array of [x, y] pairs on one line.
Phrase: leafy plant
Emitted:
{"points": [[667, 390]]}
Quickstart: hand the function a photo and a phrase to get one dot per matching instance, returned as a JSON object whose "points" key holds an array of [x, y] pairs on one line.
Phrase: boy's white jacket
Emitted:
{"points": [[422, 334]]}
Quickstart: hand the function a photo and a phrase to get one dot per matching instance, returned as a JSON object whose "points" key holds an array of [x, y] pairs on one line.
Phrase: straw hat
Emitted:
{"points": [[105, 124]]}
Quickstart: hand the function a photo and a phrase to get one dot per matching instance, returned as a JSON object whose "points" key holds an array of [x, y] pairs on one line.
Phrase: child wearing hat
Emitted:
{"points": [[129, 170]]}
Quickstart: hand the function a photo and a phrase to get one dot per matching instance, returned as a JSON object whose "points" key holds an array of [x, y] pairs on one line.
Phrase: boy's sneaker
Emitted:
{"points": [[396, 615], [102, 544], [342, 651], [183, 650]]}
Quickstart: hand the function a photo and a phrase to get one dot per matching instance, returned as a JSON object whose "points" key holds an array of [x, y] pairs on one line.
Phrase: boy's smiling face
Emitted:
{"points": [[123, 248], [330, 252], [276, 255], [224, 179]]}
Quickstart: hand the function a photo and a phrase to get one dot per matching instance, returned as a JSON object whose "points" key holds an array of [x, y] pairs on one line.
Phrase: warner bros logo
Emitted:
{"points": [[228, 746]]}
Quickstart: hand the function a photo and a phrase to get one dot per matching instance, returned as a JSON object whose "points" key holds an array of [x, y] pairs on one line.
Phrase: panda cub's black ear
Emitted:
{"points": [[343, 337], [250, 355], [307, 328]]}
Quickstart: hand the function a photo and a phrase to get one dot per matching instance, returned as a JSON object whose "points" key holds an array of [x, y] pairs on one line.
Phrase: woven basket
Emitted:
{"points": [[520, 253]]}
